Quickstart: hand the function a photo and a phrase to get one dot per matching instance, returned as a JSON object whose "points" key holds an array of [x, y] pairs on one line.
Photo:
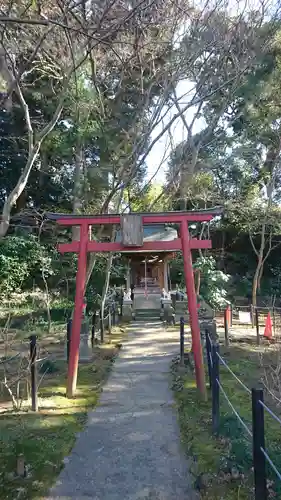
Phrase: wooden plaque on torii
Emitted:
{"points": [[132, 230]]}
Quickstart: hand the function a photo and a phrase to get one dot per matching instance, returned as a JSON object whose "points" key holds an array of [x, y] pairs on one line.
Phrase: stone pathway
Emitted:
{"points": [[130, 449]]}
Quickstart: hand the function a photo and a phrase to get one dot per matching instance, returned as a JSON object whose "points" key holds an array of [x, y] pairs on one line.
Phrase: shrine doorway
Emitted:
{"points": [[149, 271]]}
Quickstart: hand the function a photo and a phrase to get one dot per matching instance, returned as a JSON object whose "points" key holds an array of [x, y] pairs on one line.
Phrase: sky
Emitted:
{"points": [[159, 154]]}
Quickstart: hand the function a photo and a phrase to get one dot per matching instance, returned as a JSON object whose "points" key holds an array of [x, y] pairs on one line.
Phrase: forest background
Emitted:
{"points": [[140, 105]]}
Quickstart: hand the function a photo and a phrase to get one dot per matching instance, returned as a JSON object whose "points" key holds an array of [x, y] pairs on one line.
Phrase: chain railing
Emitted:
{"points": [[257, 432]]}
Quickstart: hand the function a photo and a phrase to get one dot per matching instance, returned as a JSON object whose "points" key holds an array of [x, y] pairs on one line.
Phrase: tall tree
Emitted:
{"points": [[56, 41]]}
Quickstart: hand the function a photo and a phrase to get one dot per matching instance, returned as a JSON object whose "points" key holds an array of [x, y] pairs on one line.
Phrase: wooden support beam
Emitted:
{"points": [[150, 246], [172, 217]]}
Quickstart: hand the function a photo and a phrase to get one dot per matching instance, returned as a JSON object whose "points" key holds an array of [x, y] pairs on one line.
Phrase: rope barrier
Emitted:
{"points": [[234, 410], [3, 361], [239, 418], [43, 359], [271, 464], [246, 388], [233, 374], [270, 412]]}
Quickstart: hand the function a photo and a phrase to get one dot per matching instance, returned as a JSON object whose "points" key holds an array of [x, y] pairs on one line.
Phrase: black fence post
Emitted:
{"points": [[215, 389], [182, 341], [33, 357], [257, 326], [209, 354], [68, 338], [226, 328], [258, 443]]}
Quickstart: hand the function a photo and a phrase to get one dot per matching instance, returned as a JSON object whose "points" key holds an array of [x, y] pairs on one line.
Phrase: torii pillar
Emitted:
{"points": [[192, 306], [78, 312]]}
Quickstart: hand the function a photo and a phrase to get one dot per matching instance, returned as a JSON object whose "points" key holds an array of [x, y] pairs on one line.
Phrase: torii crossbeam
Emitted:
{"points": [[85, 245]]}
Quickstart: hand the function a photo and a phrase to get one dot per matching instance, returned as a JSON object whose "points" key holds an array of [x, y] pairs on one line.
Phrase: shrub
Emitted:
{"points": [[21, 261]]}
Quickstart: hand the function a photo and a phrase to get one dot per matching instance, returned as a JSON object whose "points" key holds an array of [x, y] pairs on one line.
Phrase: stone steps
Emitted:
{"points": [[147, 314]]}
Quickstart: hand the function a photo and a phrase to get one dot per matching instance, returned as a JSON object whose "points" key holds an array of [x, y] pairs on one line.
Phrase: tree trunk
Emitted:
{"points": [[23, 179], [77, 190], [90, 268], [92, 259], [260, 253], [260, 256], [105, 289], [43, 176], [186, 177], [255, 281], [17, 191], [260, 275], [222, 255]]}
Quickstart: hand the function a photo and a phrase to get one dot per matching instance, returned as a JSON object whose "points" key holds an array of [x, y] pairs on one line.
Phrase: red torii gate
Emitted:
{"points": [[85, 245]]}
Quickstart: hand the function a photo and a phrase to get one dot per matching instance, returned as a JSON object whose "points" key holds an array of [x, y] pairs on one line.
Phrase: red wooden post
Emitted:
{"points": [[149, 246], [193, 312], [78, 311]]}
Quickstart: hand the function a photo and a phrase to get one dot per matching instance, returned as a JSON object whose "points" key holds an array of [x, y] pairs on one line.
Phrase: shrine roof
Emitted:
{"points": [[111, 218]]}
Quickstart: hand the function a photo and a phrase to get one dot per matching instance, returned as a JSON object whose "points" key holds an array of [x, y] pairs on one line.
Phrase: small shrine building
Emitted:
{"points": [[150, 270]]}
